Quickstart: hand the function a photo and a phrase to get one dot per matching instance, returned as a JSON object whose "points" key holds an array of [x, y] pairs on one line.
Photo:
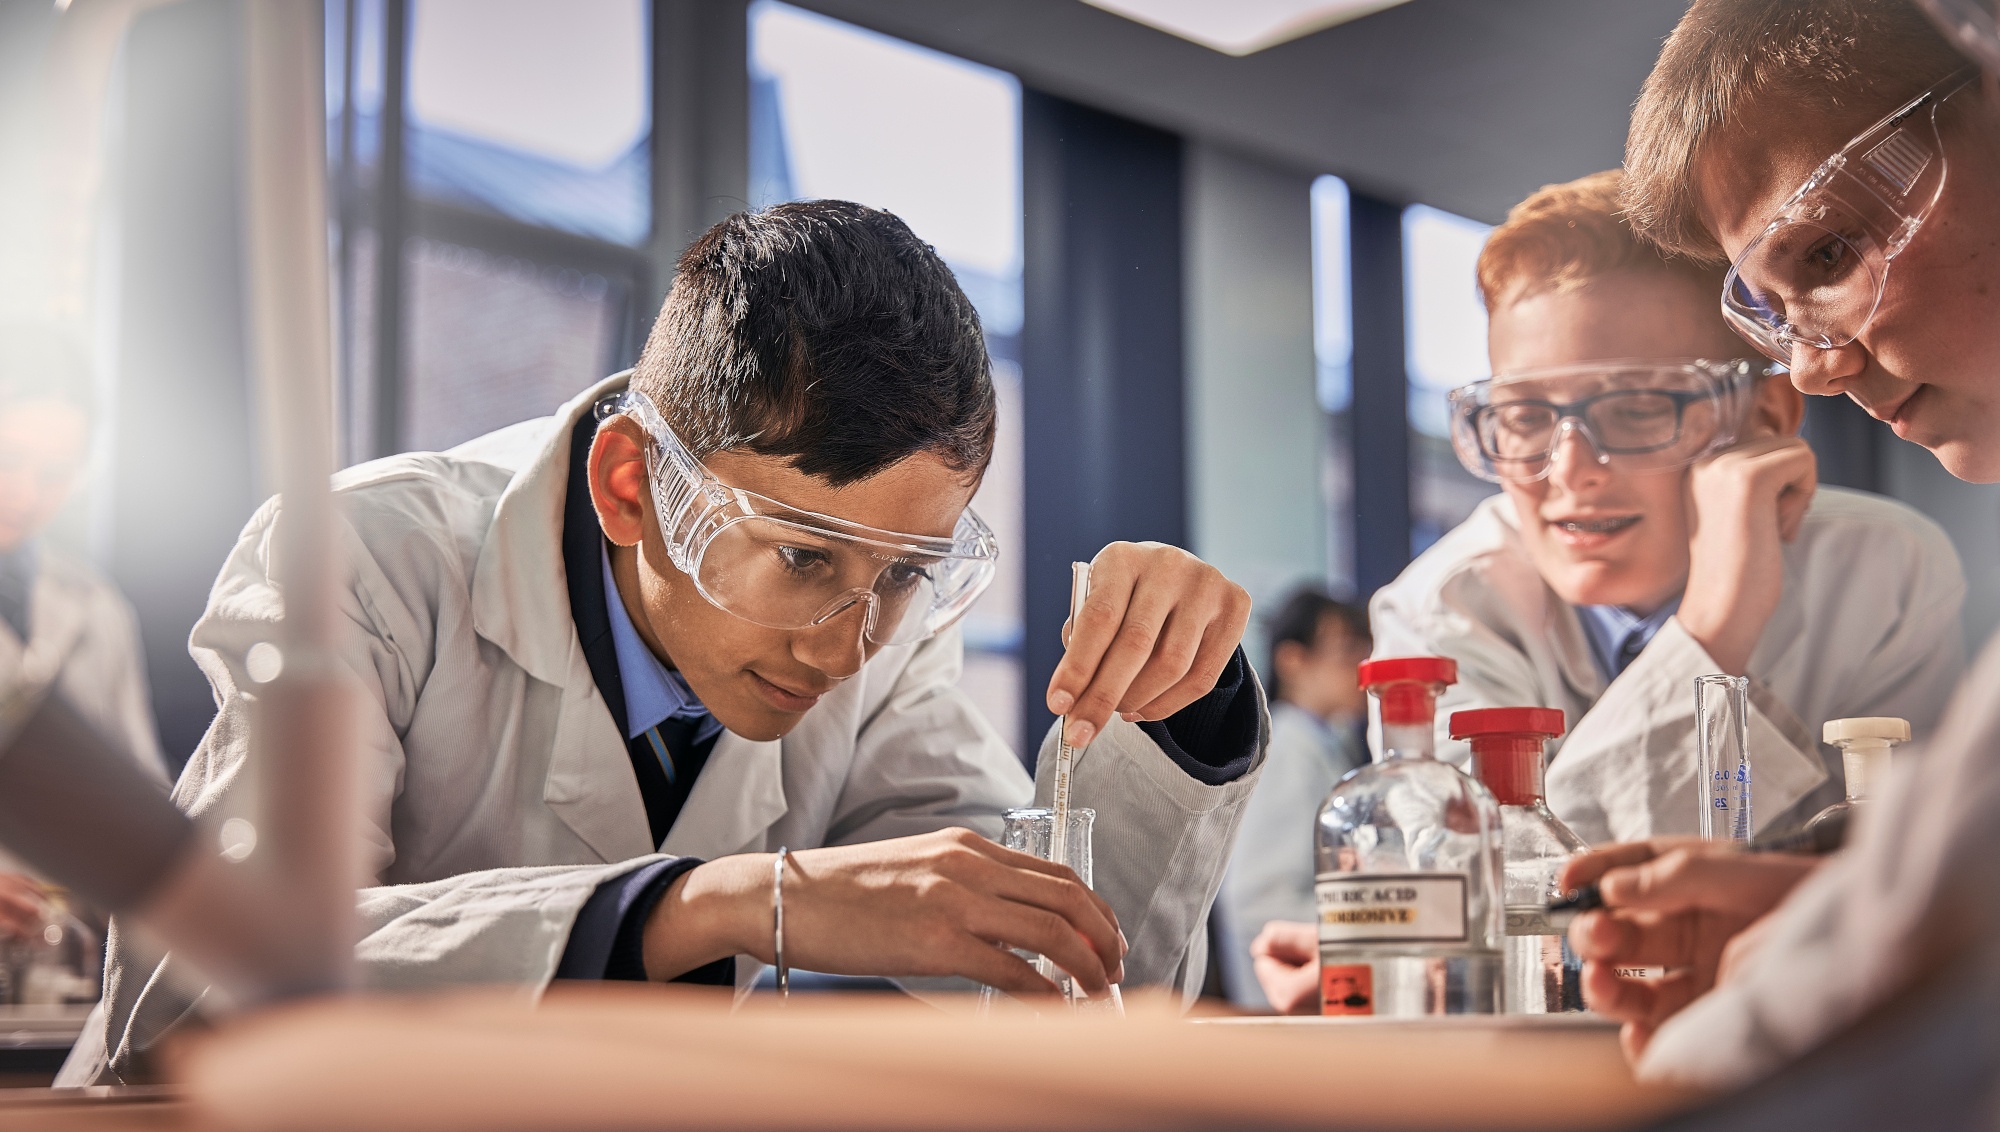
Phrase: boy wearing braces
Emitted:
{"points": [[618, 662], [1660, 519]]}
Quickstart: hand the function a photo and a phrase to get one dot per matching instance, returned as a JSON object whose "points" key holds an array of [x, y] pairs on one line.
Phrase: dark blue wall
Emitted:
{"points": [[1381, 427], [1102, 371]]}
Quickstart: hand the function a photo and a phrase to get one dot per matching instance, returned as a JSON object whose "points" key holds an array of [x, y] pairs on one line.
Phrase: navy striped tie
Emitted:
{"points": [[671, 746]]}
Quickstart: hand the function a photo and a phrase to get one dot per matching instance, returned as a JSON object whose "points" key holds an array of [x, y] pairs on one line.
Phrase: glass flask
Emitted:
{"points": [[1541, 975], [1408, 866], [1865, 743]]}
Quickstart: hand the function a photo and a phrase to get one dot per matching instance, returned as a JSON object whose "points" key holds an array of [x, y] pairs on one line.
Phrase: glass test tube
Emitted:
{"points": [[1722, 747]]}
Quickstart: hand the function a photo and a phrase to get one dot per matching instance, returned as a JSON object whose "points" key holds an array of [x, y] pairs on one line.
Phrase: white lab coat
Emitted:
{"points": [[489, 755], [1917, 889], [1868, 625], [82, 627], [1271, 871]]}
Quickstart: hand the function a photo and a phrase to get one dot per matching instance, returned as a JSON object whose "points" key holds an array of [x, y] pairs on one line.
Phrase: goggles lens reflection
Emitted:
{"points": [[788, 575], [1816, 274], [786, 568]]}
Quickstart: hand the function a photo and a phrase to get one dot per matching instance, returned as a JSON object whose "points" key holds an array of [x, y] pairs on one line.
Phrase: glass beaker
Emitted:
{"points": [[1031, 830], [1722, 748]]}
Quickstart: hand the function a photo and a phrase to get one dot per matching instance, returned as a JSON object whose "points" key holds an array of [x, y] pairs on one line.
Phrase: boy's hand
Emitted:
{"points": [[944, 903], [1158, 628], [1285, 956], [1674, 902], [1744, 503]]}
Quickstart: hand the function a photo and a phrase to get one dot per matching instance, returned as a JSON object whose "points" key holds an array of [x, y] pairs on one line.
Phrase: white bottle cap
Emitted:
{"points": [[1867, 727]]}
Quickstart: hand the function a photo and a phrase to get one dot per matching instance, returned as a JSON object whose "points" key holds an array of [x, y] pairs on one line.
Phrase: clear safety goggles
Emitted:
{"points": [[1816, 273], [1648, 416], [786, 568]]}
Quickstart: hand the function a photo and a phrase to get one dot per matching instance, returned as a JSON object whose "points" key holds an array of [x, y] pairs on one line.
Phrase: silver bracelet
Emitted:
{"points": [[778, 923]]}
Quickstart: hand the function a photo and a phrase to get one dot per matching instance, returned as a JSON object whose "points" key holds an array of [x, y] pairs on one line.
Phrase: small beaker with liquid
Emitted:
{"points": [[1031, 830]]}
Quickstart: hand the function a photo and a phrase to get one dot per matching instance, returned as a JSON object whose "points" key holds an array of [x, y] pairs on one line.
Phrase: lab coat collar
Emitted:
{"points": [[518, 592], [519, 604]]}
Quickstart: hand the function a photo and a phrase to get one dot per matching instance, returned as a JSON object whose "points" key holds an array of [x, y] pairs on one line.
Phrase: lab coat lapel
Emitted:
{"points": [[519, 594], [520, 602], [739, 796], [590, 784]]}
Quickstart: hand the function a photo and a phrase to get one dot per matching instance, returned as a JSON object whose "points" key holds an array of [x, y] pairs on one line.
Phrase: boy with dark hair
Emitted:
{"points": [[1841, 160], [619, 662]]}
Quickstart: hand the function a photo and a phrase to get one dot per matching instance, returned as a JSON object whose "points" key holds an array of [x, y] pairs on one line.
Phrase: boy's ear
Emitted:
{"points": [[618, 481], [1780, 409]]}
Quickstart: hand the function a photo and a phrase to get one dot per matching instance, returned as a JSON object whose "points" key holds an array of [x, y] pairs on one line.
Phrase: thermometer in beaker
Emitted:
{"points": [[1079, 588]]}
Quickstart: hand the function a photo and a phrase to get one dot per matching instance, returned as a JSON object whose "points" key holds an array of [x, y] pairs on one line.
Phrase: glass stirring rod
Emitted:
{"points": [[1079, 588]]}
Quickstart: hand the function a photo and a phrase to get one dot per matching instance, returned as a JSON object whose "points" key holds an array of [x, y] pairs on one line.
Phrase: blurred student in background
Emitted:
{"points": [[1660, 520], [1318, 714], [57, 615]]}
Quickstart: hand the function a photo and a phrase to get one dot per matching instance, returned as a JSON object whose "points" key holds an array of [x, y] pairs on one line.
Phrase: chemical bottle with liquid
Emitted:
{"points": [[1865, 743], [1408, 866], [1541, 975]]}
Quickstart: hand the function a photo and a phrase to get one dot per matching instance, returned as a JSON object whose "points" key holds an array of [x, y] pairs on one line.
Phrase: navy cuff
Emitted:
{"points": [[608, 939], [1214, 739]]}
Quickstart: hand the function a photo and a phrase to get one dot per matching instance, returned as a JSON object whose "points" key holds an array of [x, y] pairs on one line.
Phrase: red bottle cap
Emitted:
{"points": [[1545, 723], [1407, 686], [1507, 748], [1421, 669]]}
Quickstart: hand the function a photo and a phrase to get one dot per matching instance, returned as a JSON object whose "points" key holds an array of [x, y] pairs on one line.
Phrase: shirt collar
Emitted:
{"points": [[1608, 627], [654, 693]]}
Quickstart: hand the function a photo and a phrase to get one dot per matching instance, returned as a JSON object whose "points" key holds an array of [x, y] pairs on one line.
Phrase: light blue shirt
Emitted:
{"points": [[1616, 634], [654, 693]]}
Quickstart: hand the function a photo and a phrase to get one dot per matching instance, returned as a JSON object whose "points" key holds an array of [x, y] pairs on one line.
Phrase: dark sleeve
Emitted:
{"points": [[608, 939], [1214, 739]]}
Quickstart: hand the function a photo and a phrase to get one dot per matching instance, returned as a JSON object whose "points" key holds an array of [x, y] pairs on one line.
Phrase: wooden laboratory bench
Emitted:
{"points": [[628, 1057]]}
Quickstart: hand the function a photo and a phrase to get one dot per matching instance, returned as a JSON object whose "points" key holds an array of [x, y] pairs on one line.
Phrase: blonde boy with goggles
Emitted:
{"points": [[1659, 519]]}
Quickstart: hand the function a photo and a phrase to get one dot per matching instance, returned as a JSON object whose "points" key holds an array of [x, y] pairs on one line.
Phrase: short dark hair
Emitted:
{"points": [[825, 331], [1299, 621], [1846, 62]]}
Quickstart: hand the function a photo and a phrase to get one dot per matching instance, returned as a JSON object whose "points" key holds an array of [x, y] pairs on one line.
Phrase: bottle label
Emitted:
{"points": [[1532, 921], [1347, 989], [1391, 908]]}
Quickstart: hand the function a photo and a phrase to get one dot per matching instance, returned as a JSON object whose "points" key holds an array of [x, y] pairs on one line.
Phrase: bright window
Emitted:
{"points": [[1444, 322], [1333, 351]]}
